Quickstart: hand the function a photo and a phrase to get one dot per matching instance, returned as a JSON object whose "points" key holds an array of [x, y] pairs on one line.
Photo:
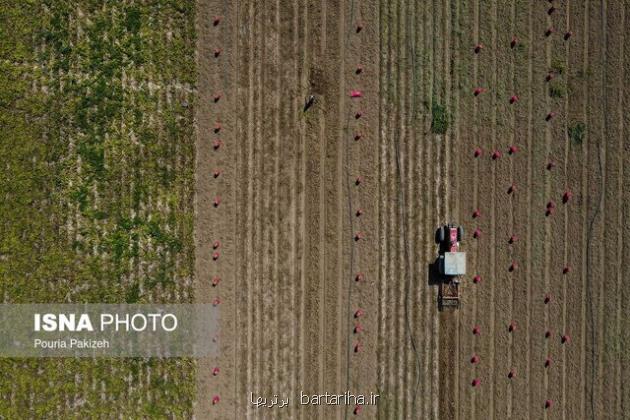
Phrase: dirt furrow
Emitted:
{"points": [[625, 199], [503, 278], [624, 194], [215, 224], [612, 245], [596, 141]]}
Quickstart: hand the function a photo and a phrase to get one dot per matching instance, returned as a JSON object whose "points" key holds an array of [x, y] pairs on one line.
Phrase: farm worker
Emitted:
{"points": [[309, 102]]}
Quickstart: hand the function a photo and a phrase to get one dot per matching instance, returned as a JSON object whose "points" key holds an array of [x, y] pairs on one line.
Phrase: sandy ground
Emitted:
{"points": [[289, 212]]}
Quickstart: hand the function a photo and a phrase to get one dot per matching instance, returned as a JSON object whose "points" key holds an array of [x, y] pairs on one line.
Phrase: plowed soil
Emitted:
{"points": [[332, 210]]}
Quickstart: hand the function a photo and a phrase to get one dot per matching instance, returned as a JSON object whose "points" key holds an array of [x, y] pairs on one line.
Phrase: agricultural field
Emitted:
{"points": [[315, 229], [97, 188], [161, 152]]}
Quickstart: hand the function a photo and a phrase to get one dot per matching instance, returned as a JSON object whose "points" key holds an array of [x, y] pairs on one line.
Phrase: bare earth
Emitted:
{"points": [[297, 258]]}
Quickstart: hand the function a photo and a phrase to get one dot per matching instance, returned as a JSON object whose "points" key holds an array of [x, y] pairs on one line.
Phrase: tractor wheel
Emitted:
{"points": [[440, 235], [460, 233]]}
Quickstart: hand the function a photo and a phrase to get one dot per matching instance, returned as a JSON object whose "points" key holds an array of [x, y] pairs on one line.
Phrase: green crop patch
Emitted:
{"points": [[439, 118], [97, 179]]}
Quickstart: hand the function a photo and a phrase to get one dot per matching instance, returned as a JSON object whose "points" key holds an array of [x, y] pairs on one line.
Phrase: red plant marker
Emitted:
{"points": [[568, 35], [475, 382], [565, 339], [513, 99], [550, 116], [512, 189], [513, 150], [215, 371], [358, 236], [513, 239], [547, 298], [478, 152], [548, 404], [357, 136], [216, 20], [477, 279], [476, 214], [217, 97], [548, 362], [496, 154], [215, 400], [358, 347], [478, 48], [358, 115], [215, 281], [357, 410], [551, 165], [216, 244], [513, 266], [359, 212], [476, 330], [217, 52], [216, 173], [359, 277], [512, 327], [216, 301], [549, 77], [355, 94], [550, 31], [514, 42], [217, 201], [358, 313], [478, 91], [358, 328], [512, 374], [216, 144], [474, 359], [566, 270], [359, 70], [477, 233], [215, 255], [217, 127], [359, 180]]}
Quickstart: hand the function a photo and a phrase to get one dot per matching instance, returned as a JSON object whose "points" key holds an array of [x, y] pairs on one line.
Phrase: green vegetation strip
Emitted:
{"points": [[96, 183]]}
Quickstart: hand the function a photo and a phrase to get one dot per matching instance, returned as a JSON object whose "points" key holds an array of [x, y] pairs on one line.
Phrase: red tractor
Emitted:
{"points": [[451, 264]]}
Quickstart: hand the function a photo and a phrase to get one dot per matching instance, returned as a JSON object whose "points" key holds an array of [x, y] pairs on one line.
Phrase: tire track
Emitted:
{"points": [[585, 179], [573, 287], [467, 175], [521, 174], [595, 141], [303, 168]]}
